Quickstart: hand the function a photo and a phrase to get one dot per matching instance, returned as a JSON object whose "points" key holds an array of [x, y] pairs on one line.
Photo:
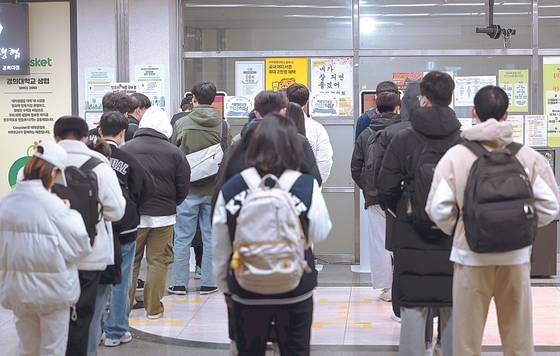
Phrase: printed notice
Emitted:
{"points": [[467, 87], [466, 123], [249, 78], [283, 72], [518, 124], [98, 83], [516, 84], [332, 82], [551, 96], [536, 131]]}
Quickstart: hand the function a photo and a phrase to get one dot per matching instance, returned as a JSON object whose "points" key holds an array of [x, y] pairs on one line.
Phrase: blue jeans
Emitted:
{"points": [[195, 210], [94, 336], [116, 324]]}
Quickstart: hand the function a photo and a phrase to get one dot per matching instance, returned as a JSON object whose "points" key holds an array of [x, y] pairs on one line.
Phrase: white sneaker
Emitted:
{"points": [[396, 318], [125, 339], [155, 316], [386, 295]]}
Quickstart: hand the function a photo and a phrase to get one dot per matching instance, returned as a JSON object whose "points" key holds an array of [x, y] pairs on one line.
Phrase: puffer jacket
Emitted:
{"points": [[320, 142], [39, 250], [112, 202], [423, 273], [450, 181]]}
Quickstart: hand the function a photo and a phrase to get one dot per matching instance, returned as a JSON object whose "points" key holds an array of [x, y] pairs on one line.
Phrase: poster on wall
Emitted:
{"points": [[515, 83], [149, 81], [332, 79], [467, 87], [551, 96], [536, 130], [98, 83], [127, 88], [466, 123], [14, 40], [403, 78], [283, 72], [249, 78], [30, 104], [518, 124], [238, 107]]}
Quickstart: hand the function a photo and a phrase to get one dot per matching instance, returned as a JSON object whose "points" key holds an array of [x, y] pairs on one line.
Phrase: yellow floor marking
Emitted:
{"points": [[327, 301], [320, 324], [181, 301], [171, 322]]}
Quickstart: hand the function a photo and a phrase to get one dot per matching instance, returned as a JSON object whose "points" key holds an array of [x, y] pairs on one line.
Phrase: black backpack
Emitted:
{"points": [[370, 157], [421, 167], [499, 206], [82, 192]]}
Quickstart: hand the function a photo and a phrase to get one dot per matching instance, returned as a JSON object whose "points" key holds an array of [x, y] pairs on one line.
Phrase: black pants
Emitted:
{"points": [[198, 247], [292, 327], [79, 328]]}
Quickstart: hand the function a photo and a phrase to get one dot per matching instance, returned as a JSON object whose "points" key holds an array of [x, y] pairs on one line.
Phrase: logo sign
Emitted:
{"points": [[14, 39], [238, 107]]}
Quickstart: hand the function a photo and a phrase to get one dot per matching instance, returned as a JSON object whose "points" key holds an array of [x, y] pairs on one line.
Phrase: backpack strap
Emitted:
{"points": [[90, 164], [514, 148], [476, 147], [223, 143], [288, 179], [251, 177]]}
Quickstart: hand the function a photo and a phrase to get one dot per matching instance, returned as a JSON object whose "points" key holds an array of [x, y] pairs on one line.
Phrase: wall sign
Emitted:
{"points": [[283, 72], [332, 83], [14, 41]]}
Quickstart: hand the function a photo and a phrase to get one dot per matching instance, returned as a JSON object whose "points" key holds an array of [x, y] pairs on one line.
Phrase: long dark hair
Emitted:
{"points": [[275, 145], [296, 115]]}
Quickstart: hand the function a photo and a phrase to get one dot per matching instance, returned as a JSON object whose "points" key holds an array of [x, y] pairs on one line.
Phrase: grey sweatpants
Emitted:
{"points": [[413, 331]]}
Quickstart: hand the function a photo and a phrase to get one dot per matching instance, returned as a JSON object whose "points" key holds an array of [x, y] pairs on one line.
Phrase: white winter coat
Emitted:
{"points": [[111, 199], [321, 146], [40, 241]]}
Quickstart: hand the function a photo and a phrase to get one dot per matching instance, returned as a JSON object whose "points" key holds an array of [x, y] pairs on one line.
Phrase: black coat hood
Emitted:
{"points": [[382, 121], [435, 121]]}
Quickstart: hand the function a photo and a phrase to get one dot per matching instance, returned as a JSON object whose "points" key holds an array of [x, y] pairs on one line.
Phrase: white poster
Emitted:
{"points": [[467, 87], [536, 131], [238, 107], [249, 78], [332, 83], [98, 83], [149, 81], [466, 123], [518, 124]]}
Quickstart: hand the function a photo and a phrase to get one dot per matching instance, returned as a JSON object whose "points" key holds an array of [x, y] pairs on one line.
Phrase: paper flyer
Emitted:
{"points": [[127, 88], [238, 107], [515, 83], [467, 87], [332, 79], [98, 83], [466, 123], [518, 124], [249, 78], [536, 131], [551, 96], [149, 81], [283, 72]]}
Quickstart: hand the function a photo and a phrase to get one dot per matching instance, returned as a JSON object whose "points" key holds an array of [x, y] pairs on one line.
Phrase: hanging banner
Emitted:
{"points": [[98, 83], [332, 79], [518, 124], [467, 87], [249, 78], [238, 107], [515, 83], [551, 96], [283, 72], [30, 104], [403, 78], [536, 131], [149, 81]]}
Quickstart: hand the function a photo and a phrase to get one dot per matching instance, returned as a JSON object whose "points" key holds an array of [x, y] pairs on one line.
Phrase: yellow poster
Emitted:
{"points": [[30, 104], [551, 96], [515, 83], [283, 72]]}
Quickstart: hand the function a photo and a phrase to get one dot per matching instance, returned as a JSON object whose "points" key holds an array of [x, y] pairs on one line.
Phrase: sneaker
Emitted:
{"points": [[155, 316], [396, 318], [125, 339], [140, 285], [138, 305], [198, 273], [208, 290], [386, 295], [178, 290]]}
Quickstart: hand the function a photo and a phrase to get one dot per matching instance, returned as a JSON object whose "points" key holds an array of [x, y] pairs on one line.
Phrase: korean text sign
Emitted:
{"points": [[14, 39]]}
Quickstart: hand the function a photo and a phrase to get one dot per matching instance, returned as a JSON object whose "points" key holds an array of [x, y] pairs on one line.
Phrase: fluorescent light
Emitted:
{"points": [[368, 25]]}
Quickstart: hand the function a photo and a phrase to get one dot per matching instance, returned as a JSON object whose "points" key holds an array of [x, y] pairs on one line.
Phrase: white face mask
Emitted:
{"points": [[422, 100]]}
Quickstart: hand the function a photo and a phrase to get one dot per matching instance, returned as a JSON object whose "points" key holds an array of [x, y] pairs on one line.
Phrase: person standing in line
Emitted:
{"points": [[112, 102], [71, 134], [38, 254], [297, 116], [364, 159], [365, 119], [314, 131], [186, 108], [139, 103], [503, 273], [201, 129], [171, 173], [423, 272]]}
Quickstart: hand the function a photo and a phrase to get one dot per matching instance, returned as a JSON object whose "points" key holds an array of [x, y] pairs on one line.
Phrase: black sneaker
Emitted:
{"points": [[138, 305], [139, 285], [178, 290], [208, 290]]}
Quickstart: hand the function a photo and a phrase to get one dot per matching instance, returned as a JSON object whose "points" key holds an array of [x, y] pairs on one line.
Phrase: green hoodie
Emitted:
{"points": [[200, 129]]}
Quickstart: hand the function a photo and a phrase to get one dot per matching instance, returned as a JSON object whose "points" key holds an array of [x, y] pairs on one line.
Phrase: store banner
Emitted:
{"points": [[150, 82], [332, 85], [30, 104], [551, 96], [283, 72], [467, 87], [536, 128], [249, 78], [98, 83], [515, 83]]}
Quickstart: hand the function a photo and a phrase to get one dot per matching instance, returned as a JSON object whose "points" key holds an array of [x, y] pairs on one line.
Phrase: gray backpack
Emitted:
{"points": [[269, 244]]}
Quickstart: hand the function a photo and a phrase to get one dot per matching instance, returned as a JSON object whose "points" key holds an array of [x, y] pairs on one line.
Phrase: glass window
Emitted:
{"points": [[375, 70], [440, 24], [549, 23], [238, 25]]}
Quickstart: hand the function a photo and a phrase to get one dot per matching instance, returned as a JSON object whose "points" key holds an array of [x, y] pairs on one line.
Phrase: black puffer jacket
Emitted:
{"points": [[423, 272], [167, 165]]}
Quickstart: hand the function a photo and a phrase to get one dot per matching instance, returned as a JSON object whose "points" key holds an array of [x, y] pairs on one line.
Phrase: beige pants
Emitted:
{"points": [[473, 289], [158, 243], [43, 334]]}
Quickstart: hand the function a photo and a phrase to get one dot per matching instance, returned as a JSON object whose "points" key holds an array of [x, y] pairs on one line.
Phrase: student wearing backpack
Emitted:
{"points": [[202, 129], [41, 239], [365, 119], [362, 166], [423, 273], [171, 173], [249, 207], [108, 205], [492, 256]]}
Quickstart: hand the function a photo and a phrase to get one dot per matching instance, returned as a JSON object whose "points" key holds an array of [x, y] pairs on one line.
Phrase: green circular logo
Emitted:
{"points": [[14, 170]]}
